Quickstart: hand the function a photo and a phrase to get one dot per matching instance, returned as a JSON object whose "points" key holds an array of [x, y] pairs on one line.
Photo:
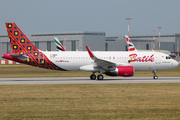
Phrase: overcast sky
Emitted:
{"points": [[47, 16]]}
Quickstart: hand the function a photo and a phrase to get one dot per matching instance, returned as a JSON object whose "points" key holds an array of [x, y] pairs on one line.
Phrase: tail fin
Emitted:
{"points": [[58, 45], [19, 42], [24, 51], [130, 44]]}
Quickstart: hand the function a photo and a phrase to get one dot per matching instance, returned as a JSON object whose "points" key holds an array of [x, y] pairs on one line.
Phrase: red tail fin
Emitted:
{"points": [[23, 50], [19, 42]]}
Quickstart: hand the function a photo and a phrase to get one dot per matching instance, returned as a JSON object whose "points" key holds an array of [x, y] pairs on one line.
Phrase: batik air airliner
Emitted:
{"points": [[112, 63]]}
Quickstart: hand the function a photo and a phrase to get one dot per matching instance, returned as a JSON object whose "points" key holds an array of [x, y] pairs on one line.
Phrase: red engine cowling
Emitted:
{"points": [[125, 71]]}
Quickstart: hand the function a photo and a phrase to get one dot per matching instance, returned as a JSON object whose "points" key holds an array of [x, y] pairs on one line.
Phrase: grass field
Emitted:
{"points": [[8, 71], [87, 102]]}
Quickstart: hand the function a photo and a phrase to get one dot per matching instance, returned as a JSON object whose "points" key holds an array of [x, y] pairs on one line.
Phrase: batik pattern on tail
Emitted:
{"points": [[21, 45]]}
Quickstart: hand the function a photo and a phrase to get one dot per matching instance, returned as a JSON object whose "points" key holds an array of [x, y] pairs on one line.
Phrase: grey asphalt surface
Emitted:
{"points": [[86, 80]]}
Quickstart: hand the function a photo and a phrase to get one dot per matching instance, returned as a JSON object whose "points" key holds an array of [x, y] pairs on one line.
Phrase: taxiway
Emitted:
{"points": [[86, 80]]}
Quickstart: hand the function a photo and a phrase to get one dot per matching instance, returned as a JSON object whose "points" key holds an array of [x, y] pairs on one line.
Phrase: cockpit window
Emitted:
{"points": [[168, 57]]}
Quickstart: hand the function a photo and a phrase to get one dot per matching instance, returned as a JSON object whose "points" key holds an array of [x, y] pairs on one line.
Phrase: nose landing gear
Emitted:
{"points": [[155, 77]]}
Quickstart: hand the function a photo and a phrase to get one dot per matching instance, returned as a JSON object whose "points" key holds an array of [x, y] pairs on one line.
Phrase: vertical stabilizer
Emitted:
{"points": [[23, 50], [130, 44], [19, 42], [59, 46]]}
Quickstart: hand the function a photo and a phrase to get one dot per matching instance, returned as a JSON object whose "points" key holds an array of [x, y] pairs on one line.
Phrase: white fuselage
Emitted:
{"points": [[141, 61]]}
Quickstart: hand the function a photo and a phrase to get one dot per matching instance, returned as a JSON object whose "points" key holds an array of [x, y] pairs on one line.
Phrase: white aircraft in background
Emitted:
{"points": [[112, 63], [133, 48], [59, 46]]}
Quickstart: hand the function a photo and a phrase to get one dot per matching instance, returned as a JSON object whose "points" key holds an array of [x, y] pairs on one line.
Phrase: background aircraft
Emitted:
{"points": [[133, 48], [59, 46], [112, 63]]}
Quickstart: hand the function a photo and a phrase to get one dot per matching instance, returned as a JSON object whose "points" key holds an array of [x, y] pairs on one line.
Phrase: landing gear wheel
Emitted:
{"points": [[155, 77], [93, 77], [100, 77]]}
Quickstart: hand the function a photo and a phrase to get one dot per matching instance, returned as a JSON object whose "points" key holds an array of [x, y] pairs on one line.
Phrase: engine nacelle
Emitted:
{"points": [[125, 71]]}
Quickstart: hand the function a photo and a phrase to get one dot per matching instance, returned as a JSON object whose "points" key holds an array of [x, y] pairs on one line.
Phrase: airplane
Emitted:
{"points": [[59, 46], [112, 63], [133, 48]]}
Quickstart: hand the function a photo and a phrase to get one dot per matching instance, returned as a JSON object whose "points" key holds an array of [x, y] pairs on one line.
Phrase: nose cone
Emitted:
{"points": [[175, 63]]}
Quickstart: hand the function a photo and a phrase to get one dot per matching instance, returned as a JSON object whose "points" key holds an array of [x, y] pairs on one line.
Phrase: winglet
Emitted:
{"points": [[90, 53]]}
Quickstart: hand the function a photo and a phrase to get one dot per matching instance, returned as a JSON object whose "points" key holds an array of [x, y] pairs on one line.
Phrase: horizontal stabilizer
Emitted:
{"points": [[21, 57], [12, 56]]}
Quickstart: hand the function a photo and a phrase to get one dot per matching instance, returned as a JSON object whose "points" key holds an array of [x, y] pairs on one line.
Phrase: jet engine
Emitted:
{"points": [[125, 71]]}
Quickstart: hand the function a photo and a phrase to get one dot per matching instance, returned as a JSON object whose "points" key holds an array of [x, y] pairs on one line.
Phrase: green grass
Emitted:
{"points": [[93, 101], [9, 71]]}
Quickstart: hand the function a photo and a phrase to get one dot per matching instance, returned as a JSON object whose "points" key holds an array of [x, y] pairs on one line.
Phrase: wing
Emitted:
{"points": [[106, 65]]}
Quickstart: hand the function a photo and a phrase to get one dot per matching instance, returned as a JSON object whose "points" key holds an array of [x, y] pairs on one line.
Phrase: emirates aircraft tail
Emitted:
{"points": [[23, 51], [59, 46], [131, 46]]}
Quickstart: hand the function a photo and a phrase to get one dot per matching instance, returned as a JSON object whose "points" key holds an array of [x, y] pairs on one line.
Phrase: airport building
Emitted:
{"points": [[97, 41], [168, 42]]}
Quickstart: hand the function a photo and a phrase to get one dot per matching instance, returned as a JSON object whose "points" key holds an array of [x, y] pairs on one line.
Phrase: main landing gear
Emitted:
{"points": [[93, 77], [99, 77], [155, 77]]}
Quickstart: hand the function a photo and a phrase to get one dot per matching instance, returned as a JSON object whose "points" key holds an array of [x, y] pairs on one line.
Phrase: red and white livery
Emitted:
{"points": [[113, 63]]}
